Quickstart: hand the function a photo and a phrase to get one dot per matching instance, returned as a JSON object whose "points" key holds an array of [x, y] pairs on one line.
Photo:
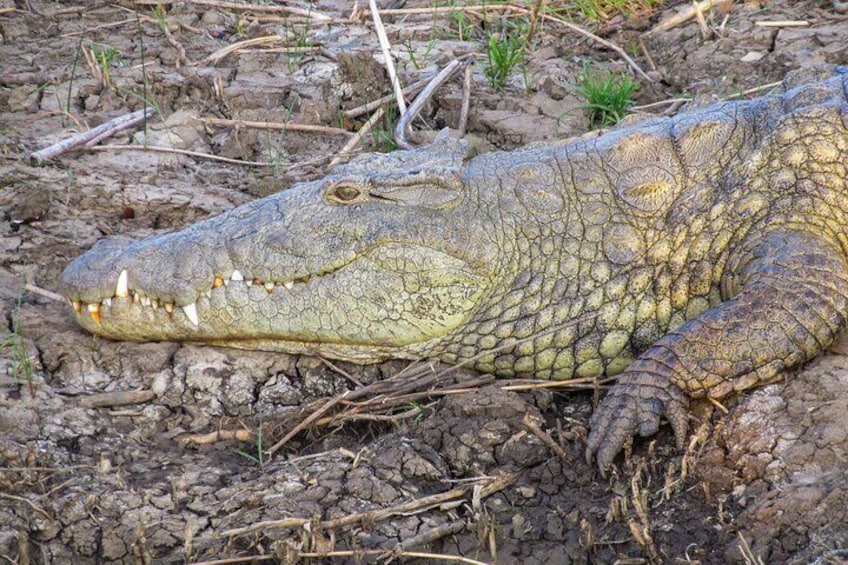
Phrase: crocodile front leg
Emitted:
{"points": [[788, 299]]}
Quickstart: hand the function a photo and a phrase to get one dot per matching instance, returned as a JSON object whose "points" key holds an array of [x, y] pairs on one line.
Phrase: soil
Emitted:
{"points": [[143, 453]]}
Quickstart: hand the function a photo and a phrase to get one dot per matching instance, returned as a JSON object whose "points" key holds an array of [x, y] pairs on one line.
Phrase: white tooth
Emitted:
{"points": [[289, 284], [107, 302], [190, 311], [249, 283], [269, 286], [209, 293], [236, 276], [145, 301], [121, 289]]}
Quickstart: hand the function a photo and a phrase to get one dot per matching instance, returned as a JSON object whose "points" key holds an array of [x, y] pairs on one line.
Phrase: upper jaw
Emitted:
{"points": [[95, 279]]}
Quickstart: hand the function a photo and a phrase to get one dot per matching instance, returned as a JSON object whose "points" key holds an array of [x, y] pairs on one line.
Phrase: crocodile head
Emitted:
{"points": [[381, 259]]}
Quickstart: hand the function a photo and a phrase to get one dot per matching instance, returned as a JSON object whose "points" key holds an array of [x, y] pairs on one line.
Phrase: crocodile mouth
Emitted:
{"points": [[389, 298], [140, 298]]}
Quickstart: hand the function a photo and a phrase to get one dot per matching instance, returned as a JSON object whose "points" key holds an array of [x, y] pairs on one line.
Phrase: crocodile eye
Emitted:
{"points": [[345, 192]]}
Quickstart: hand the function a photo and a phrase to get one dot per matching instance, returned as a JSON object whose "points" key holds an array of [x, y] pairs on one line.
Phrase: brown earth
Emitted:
{"points": [[482, 472]]}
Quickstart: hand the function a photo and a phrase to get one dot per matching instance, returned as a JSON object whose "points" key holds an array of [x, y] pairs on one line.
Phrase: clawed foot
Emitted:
{"points": [[635, 405]]}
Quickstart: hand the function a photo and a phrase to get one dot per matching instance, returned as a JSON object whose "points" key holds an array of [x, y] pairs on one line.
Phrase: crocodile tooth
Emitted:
{"points": [[145, 301], [136, 298], [209, 293], [269, 286], [107, 302], [121, 289], [77, 306], [190, 310], [94, 310], [289, 285], [236, 276], [169, 307], [154, 303], [248, 283]]}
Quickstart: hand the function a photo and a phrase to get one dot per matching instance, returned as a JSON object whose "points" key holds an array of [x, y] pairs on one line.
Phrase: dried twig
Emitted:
{"points": [[274, 9], [706, 32], [435, 10], [274, 126], [462, 126], [305, 423], [117, 398], [783, 23], [427, 537], [224, 51], [181, 52], [767, 86], [99, 27], [417, 505], [45, 293], [410, 90], [357, 554], [543, 436], [356, 139], [688, 14], [419, 554], [111, 127], [386, 48], [405, 120], [174, 150], [538, 7], [240, 434], [608, 44], [27, 501]]}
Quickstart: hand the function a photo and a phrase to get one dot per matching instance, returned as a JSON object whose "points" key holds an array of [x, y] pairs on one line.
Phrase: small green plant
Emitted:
{"points": [[299, 46], [278, 157], [21, 364], [160, 14], [102, 57], [503, 52], [259, 458], [608, 96], [462, 25], [410, 51], [239, 26], [145, 97], [383, 132]]}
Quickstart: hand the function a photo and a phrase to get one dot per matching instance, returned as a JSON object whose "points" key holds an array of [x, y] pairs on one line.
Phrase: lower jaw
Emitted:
{"points": [[124, 321]]}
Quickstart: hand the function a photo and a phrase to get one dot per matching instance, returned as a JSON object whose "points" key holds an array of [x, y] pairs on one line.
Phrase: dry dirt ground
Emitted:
{"points": [[169, 467]]}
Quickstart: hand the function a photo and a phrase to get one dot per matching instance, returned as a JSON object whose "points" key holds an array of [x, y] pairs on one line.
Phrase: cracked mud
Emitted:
{"points": [[142, 453]]}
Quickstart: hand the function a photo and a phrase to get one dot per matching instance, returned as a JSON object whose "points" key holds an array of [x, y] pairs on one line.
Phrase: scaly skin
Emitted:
{"points": [[696, 256]]}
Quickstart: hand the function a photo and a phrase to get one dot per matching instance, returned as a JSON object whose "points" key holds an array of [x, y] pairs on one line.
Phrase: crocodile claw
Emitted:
{"points": [[634, 406]]}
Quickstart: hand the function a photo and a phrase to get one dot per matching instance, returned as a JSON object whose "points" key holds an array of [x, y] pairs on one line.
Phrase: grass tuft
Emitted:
{"points": [[504, 52], [21, 363], [608, 96]]}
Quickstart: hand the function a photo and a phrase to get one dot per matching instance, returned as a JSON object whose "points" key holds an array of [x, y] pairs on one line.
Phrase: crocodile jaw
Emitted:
{"points": [[395, 300]]}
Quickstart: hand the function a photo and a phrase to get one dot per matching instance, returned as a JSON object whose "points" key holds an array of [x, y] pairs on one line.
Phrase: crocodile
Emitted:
{"points": [[692, 256]]}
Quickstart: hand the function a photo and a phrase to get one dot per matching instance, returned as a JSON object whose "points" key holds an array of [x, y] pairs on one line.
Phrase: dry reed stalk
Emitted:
{"points": [[689, 13], [274, 126], [262, 8], [386, 48]]}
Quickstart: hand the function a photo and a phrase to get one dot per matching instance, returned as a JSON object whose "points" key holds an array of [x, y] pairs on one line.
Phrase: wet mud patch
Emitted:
{"points": [[120, 452]]}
